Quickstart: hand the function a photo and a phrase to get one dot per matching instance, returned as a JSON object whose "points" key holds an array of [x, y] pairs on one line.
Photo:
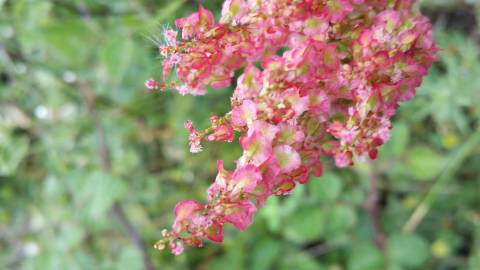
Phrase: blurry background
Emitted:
{"points": [[91, 165]]}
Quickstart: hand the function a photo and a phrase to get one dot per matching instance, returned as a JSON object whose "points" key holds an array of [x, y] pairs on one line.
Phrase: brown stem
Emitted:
{"points": [[105, 164], [373, 210]]}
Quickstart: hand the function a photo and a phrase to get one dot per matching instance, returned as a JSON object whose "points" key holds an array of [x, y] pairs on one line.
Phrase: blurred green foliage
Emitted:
{"points": [[56, 199]]}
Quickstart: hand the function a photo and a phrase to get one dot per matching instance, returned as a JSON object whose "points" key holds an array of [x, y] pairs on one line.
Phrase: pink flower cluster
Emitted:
{"points": [[320, 78]]}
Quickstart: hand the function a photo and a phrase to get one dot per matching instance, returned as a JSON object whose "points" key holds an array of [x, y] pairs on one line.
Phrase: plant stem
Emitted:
{"points": [[373, 210], [104, 159], [456, 159]]}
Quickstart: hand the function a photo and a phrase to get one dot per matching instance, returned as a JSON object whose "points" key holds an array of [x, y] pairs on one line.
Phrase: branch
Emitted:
{"points": [[104, 159], [373, 210]]}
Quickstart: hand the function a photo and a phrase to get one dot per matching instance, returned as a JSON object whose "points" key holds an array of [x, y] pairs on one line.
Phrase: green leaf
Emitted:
{"points": [[12, 152], [474, 261], [365, 256], [398, 142], [70, 236], [115, 56], [305, 224], [129, 258], [233, 259], [169, 10], [264, 254], [327, 188], [340, 219], [408, 250], [70, 43], [294, 201], [272, 214], [299, 261], [97, 193], [423, 163]]}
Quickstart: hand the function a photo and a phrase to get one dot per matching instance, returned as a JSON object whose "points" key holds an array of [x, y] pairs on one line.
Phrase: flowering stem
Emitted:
{"points": [[342, 70]]}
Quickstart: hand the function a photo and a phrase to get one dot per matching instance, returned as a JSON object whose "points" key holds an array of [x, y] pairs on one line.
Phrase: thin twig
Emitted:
{"points": [[104, 159], [373, 210]]}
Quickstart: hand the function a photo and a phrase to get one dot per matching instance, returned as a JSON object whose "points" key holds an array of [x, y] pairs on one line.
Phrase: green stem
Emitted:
{"points": [[456, 160]]}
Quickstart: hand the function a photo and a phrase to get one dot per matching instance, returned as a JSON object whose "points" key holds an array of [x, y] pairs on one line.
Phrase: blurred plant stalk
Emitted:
{"points": [[455, 161], [104, 159]]}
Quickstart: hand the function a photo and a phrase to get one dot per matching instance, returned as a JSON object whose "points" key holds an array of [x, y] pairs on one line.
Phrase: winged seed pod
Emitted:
{"points": [[345, 67]]}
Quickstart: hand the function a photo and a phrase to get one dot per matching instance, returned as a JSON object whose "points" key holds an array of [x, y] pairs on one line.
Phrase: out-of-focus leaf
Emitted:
{"points": [[408, 250], [70, 43], [305, 224], [98, 191], [398, 141], [365, 256], [299, 261], [295, 200], [264, 254], [70, 235], [129, 258], [115, 56], [271, 212], [12, 151], [169, 10], [326, 188], [452, 88], [423, 163], [340, 218], [233, 259], [474, 262]]}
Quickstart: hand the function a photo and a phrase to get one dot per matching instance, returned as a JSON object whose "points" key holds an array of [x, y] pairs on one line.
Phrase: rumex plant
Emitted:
{"points": [[320, 78]]}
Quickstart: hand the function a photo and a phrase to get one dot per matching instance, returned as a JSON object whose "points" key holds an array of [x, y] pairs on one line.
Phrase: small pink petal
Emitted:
{"points": [[244, 114], [257, 148], [186, 209], [288, 159], [215, 232], [343, 159], [176, 247], [245, 178], [241, 214], [151, 84]]}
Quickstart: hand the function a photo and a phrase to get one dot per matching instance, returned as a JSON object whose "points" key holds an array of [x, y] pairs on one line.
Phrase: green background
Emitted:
{"points": [[61, 207]]}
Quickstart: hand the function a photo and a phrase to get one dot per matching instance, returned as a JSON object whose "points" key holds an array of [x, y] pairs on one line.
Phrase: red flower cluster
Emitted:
{"points": [[320, 77]]}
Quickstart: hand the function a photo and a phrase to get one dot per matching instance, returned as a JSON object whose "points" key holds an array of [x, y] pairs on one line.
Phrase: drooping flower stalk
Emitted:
{"points": [[320, 78]]}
